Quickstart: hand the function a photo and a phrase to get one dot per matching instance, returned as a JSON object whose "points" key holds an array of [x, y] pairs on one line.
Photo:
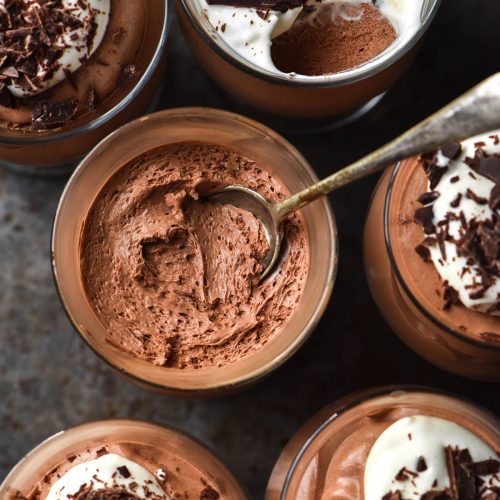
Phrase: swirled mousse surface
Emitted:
{"points": [[123, 471], [403, 453], [445, 239], [175, 280], [64, 58]]}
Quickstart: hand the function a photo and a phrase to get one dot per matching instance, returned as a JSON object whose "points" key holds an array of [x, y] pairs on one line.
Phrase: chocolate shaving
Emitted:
{"points": [[462, 481], [451, 150], [127, 73], [421, 464], [451, 297], [424, 217], [48, 116], [124, 472], [426, 198], [423, 252]]}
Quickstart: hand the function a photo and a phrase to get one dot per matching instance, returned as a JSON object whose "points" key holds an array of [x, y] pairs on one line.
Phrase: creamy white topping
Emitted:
{"points": [[404, 442], [245, 32], [455, 183], [94, 15], [107, 472]]}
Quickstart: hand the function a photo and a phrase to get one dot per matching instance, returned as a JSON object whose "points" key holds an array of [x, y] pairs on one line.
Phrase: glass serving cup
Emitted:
{"points": [[334, 423], [299, 97], [55, 152], [407, 314], [254, 141], [56, 450]]}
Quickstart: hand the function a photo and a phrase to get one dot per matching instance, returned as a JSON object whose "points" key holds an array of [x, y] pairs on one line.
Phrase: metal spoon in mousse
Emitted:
{"points": [[475, 112]]}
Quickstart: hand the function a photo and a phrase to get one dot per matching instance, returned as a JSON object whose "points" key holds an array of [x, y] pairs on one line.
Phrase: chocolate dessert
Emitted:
{"points": [[432, 247], [60, 60], [174, 278], [331, 38], [400, 447], [120, 460], [310, 37], [457, 256], [123, 472]]}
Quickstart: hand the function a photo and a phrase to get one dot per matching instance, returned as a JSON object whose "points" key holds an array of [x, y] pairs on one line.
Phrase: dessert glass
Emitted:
{"points": [[235, 132], [56, 450], [298, 97], [54, 152], [408, 316], [332, 423]]}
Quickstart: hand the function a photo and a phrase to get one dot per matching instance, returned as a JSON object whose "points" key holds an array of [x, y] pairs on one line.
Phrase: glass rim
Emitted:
{"points": [[115, 110], [404, 285], [362, 72], [255, 374], [359, 397], [123, 422]]}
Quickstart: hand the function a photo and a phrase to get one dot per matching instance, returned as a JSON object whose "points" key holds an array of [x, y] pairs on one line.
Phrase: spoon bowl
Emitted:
{"points": [[475, 112]]}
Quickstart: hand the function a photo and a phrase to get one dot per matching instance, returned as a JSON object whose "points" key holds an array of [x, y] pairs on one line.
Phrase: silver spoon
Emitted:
{"points": [[475, 112]]}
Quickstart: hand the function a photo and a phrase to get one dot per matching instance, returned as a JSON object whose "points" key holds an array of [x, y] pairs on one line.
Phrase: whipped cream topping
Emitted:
{"points": [[109, 472], [410, 457], [464, 200], [85, 23], [249, 31]]}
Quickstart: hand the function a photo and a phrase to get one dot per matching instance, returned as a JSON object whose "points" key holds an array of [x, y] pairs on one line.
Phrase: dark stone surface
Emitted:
{"points": [[49, 380]]}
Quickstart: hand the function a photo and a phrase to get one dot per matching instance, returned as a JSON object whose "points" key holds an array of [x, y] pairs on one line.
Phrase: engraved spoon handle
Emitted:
{"points": [[474, 112]]}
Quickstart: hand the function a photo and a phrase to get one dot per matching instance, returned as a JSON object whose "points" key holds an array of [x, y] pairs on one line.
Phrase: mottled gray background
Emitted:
{"points": [[50, 380]]}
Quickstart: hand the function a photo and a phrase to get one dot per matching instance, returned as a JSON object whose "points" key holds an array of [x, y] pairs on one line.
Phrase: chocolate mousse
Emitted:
{"points": [[311, 37], [174, 278], [399, 446], [332, 38], [123, 471], [61, 60], [451, 249], [406, 454]]}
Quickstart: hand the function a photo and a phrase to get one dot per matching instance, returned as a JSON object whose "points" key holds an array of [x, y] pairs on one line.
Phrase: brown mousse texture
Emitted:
{"points": [[179, 479], [30, 32], [337, 470], [175, 280], [332, 38], [419, 273]]}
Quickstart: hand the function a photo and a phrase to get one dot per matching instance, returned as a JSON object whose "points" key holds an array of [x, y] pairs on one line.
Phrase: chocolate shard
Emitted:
{"points": [[489, 167], [494, 201], [423, 252], [427, 198], [451, 150], [421, 464], [424, 216], [124, 472], [47, 115], [462, 481], [451, 297], [486, 467], [393, 495]]}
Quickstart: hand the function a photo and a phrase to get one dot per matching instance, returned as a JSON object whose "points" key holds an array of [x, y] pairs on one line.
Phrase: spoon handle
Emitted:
{"points": [[474, 112]]}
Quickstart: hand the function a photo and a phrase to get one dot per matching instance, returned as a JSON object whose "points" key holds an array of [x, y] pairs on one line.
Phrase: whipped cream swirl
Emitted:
{"points": [[249, 31], [461, 217], [108, 472], [411, 458]]}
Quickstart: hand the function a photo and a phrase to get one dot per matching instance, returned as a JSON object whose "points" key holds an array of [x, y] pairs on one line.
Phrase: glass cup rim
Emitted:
{"points": [[366, 70], [124, 422], [404, 285], [115, 110], [257, 373], [359, 397]]}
